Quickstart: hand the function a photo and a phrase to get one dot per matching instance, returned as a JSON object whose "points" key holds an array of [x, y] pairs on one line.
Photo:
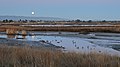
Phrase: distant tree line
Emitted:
{"points": [[6, 20], [77, 20]]}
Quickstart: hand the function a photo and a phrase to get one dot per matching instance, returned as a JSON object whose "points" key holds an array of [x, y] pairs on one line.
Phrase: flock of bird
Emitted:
{"points": [[75, 44]]}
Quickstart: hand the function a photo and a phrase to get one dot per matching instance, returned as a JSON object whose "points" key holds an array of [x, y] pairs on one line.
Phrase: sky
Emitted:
{"points": [[68, 9]]}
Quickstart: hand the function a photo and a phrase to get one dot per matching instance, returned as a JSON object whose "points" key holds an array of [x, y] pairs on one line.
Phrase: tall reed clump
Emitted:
{"points": [[11, 31], [32, 57], [24, 33]]}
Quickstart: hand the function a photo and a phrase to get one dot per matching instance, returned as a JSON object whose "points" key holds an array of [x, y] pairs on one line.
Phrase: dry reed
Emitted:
{"points": [[11, 31], [32, 57], [114, 28], [24, 33]]}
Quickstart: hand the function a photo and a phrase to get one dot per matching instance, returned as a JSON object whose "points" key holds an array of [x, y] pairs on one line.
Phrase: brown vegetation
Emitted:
{"points": [[81, 29], [32, 57], [24, 33], [11, 31]]}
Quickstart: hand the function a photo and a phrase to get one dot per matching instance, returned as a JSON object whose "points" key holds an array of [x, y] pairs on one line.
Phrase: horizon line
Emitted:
{"points": [[64, 18]]}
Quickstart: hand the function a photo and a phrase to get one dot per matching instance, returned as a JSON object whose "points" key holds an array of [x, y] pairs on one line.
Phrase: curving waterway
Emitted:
{"points": [[75, 42]]}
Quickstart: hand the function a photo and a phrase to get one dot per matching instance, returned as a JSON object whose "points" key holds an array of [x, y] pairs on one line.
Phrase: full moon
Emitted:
{"points": [[33, 13]]}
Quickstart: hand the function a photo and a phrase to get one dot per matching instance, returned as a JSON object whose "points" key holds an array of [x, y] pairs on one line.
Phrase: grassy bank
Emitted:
{"points": [[82, 29], [32, 57]]}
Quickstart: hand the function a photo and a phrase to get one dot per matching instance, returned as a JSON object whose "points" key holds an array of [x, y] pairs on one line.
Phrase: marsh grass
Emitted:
{"points": [[32, 57], [11, 31], [112, 29]]}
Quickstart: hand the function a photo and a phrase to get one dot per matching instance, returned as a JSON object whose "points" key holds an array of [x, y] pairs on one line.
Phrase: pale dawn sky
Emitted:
{"points": [[69, 9]]}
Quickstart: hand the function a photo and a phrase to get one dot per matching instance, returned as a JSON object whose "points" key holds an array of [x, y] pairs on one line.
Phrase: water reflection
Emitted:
{"points": [[93, 42], [17, 36], [10, 36], [23, 36]]}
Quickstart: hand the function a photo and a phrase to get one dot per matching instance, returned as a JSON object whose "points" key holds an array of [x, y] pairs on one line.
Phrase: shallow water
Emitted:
{"points": [[75, 42]]}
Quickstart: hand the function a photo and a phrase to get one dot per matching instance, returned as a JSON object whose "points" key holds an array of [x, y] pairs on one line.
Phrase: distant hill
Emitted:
{"points": [[31, 18]]}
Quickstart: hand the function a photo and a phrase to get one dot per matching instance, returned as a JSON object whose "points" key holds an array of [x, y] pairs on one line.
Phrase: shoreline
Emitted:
{"points": [[92, 39], [20, 43]]}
